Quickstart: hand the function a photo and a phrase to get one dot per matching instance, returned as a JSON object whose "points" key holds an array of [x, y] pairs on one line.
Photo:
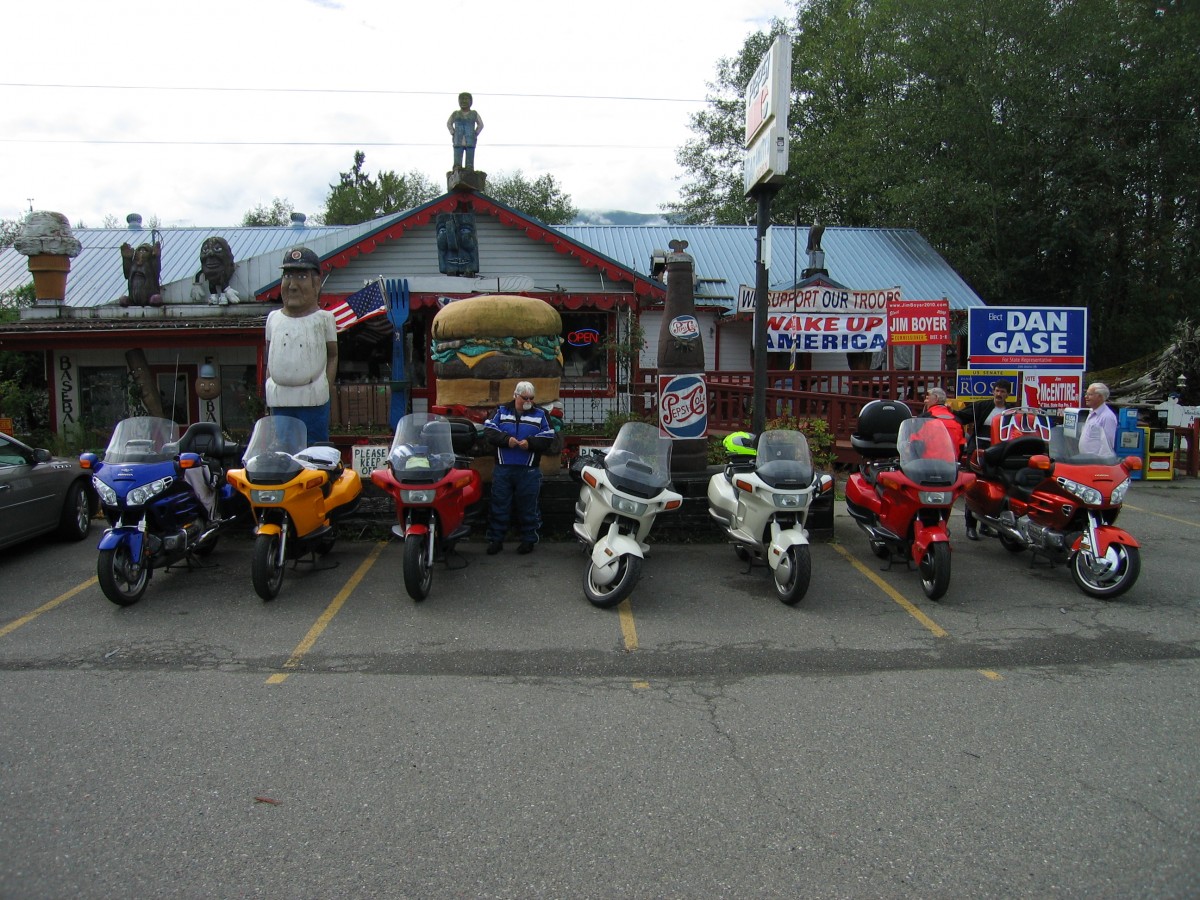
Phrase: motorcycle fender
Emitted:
{"points": [[780, 544], [115, 537], [1107, 535], [612, 547], [268, 528], [414, 528], [924, 535]]}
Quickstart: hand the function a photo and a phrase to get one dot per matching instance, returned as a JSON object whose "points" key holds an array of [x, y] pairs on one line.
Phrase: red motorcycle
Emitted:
{"points": [[1037, 491], [437, 494], [904, 489]]}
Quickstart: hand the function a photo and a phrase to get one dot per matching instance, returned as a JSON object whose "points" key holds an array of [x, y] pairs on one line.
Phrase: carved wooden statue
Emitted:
{"points": [[216, 271], [141, 268]]}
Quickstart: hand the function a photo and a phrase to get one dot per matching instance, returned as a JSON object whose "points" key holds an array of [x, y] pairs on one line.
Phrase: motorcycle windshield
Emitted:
{"points": [[141, 439], [1064, 447], [784, 459], [422, 449], [928, 454], [269, 454], [640, 460]]}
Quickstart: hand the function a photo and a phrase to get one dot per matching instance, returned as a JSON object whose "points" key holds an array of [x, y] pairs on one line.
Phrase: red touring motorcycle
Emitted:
{"points": [[1037, 491], [436, 492], [905, 488]]}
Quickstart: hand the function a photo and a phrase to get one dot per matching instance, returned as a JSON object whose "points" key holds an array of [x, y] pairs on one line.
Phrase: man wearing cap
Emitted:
{"points": [[521, 432], [302, 350]]}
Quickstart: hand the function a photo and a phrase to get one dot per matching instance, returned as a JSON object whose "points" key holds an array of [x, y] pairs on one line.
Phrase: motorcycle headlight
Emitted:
{"points": [[107, 495], [935, 498], [415, 498], [627, 506], [140, 496], [265, 498], [790, 501], [1119, 492], [1088, 495]]}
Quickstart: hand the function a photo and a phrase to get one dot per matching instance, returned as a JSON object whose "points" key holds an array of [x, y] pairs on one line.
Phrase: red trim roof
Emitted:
{"points": [[511, 218]]}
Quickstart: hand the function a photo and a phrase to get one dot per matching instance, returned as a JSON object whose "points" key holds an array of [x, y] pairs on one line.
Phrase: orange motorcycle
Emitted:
{"points": [[297, 494]]}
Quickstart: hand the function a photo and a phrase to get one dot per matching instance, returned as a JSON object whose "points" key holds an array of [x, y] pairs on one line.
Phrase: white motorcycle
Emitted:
{"points": [[762, 502], [621, 494]]}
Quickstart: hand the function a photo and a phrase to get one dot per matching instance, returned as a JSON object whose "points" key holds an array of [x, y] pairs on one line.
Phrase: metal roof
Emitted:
{"points": [[97, 278], [860, 258]]}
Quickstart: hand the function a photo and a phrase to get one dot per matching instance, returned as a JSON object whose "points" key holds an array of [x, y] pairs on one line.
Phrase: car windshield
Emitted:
{"points": [[142, 439], [272, 446], [1064, 447], [422, 447], [927, 452], [783, 457], [640, 456]]}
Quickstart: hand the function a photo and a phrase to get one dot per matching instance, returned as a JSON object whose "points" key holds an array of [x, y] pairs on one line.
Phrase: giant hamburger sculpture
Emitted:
{"points": [[483, 346]]}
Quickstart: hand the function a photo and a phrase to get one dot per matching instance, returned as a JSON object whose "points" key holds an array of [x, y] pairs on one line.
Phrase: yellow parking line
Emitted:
{"points": [[1161, 515], [628, 629], [326, 617], [936, 629], [46, 607]]}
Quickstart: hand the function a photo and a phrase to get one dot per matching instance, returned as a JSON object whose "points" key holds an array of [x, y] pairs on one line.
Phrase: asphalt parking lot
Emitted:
{"points": [[506, 739]]}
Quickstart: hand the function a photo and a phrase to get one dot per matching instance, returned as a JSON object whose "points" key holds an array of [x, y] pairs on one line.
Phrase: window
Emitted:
{"points": [[238, 385], [585, 359], [103, 396]]}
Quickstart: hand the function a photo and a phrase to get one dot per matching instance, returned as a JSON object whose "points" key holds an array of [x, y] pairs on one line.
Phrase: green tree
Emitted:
{"points": [[1043, 148], [542, 198], [9, 229], [278, 212], [357, 197], [23, 390]]}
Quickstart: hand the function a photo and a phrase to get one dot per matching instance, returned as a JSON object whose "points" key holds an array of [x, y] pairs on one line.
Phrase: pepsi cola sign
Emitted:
{"points": [[682, 406]]}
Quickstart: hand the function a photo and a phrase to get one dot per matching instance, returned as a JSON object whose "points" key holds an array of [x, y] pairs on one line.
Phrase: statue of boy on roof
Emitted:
{"points": [[464, 126]]}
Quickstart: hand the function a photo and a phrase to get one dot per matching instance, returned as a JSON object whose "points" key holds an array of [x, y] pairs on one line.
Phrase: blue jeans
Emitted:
{"points": [[515, 489], [315, 419]]}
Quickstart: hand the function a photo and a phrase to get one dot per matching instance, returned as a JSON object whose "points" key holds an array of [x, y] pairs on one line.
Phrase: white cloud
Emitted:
{"points": [[324, 77]]}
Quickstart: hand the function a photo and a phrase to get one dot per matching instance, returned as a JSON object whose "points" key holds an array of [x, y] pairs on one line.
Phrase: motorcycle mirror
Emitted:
{"points": [[1039, 461], [189, 460], [1132, 463], [87, 460]]}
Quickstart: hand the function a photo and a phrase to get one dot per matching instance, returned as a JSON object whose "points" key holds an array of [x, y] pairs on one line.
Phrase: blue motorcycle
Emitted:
{"points": [[165, 498]]}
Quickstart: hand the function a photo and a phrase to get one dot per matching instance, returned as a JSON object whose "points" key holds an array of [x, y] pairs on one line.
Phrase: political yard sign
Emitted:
{"points": [[1027, 337]]}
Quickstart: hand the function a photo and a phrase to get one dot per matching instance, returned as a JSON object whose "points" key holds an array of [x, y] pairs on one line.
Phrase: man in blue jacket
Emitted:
{"points": [[521, 432]]}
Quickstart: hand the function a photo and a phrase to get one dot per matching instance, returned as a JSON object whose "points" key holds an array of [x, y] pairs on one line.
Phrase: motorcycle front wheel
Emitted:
{"points": [[122, 578], [793, 575], [935, 570], [418, 572], [629, 567], [1111, 575], [267, 569]]}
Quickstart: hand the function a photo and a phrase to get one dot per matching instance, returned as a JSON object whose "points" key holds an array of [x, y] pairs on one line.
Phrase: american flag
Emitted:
{"points": [[364, 304]]}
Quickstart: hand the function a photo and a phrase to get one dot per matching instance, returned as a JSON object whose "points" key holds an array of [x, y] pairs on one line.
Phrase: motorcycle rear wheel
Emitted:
{"points": [[418, 573], [122, 578], [605, 596], [267, 569], [935, 570], [794, 574], [1106, 587]]}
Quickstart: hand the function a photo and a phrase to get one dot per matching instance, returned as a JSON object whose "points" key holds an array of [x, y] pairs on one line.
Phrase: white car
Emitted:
{"points": [[40, 493]]}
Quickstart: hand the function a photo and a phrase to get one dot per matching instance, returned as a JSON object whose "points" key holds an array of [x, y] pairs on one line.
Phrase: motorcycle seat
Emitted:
{"points": [[205, 438], [1004, 460]]}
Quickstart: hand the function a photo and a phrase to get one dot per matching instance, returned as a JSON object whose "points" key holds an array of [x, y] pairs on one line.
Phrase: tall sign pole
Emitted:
{"points": [[768, 97]]}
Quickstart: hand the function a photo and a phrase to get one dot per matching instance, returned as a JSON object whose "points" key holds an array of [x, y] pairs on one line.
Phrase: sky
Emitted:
{"points": [[195, 113]]}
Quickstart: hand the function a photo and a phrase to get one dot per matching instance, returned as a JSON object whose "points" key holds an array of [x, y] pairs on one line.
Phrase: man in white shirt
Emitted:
{"points": [[1100, 429]]}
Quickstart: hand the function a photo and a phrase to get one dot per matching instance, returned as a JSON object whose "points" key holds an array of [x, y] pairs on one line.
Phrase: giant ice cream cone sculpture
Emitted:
{"points": [[47, 240]]}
